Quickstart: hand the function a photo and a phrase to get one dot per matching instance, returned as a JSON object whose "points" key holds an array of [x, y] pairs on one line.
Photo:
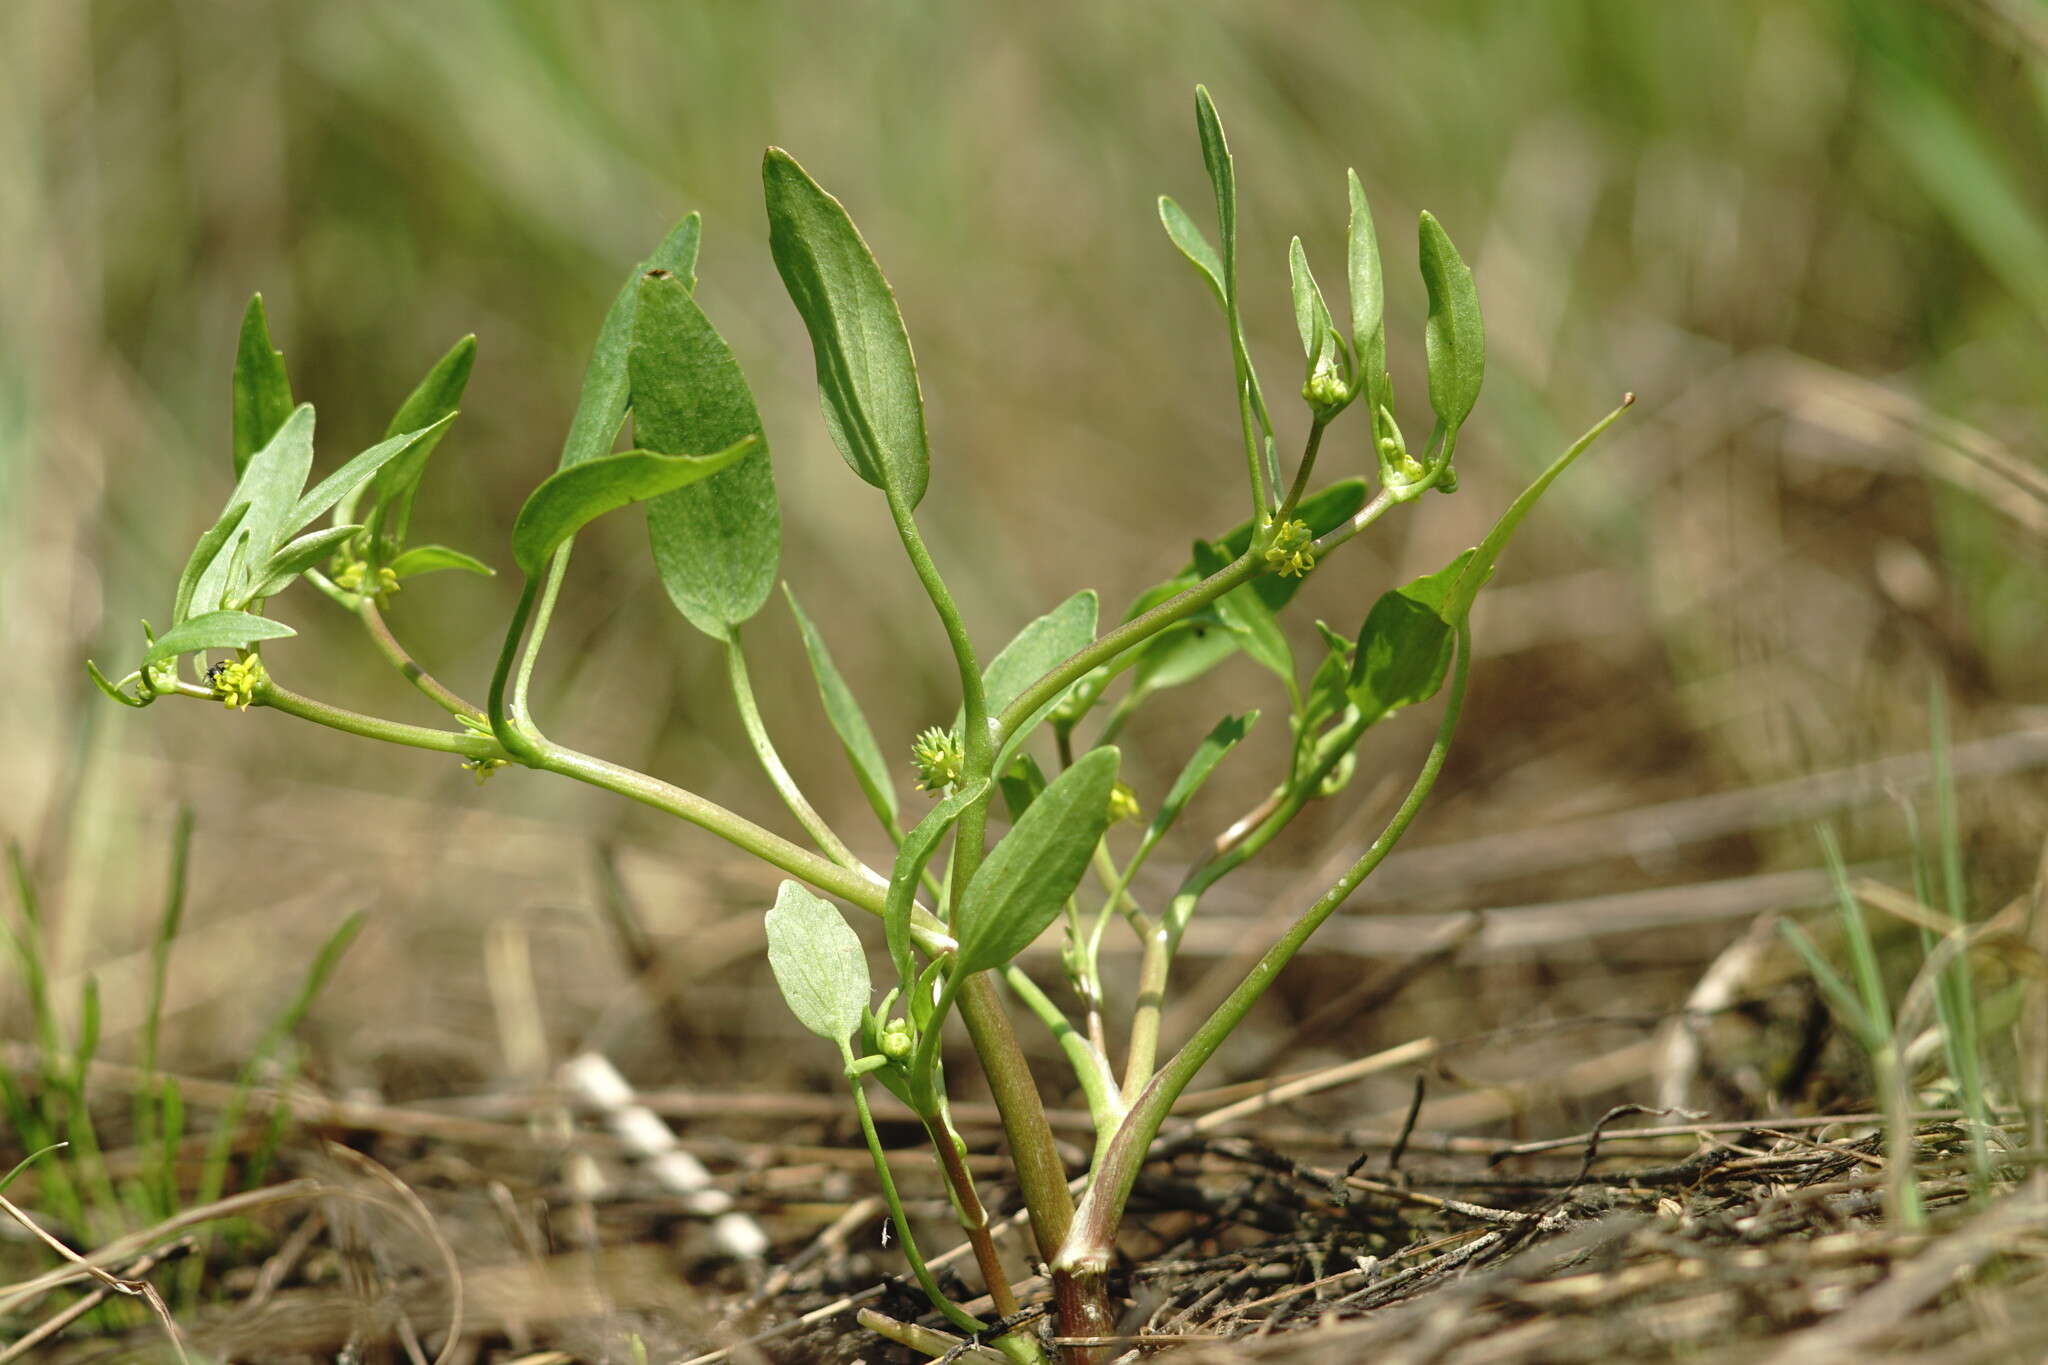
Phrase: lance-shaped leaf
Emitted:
{"points": [[870, 769], [270, 484], [427, 410], [1311, 314], [867, 377], [570, 498], [434, 558], [262, 392], [295, 557], [215, 630], [716, 542], [1404, 648], [1215, 746], [383, 456], [818, 962], [1368, 303], [1021, 886], [917, 849], [1223, 177], [1454, 337], [601, 408], [203, 554], [1193, 244]]}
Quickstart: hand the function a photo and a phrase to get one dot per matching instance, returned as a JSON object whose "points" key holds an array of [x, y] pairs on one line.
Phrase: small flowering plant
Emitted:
{"points": [[1032, 745]]}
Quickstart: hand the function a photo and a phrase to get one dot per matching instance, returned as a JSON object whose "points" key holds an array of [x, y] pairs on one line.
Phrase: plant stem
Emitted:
{"points": [[1037, 1162], [510, 726], [558, 569], [1132, 632], [857, 887], [269, 693], [954, 1313], [973, 1216], [1085, 1257], [771, 762], [1091, 1068], [401, 658], [1301, 475]]}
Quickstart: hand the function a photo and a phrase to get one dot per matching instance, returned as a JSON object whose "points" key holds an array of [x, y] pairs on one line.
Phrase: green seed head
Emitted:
{"points": [[939, 759]]}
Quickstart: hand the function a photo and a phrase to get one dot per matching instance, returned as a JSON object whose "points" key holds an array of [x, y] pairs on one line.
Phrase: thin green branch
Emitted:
{"points": [[771, 762], [401, 658], [1089, 1248]]}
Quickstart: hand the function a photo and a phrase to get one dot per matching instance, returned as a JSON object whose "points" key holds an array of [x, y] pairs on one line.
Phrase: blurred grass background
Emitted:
{"points": [[1811, 234]]}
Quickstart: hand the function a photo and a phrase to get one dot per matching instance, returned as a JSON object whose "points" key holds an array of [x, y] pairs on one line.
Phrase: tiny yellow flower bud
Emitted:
{"points": [[1123, 803], [482, 768]]}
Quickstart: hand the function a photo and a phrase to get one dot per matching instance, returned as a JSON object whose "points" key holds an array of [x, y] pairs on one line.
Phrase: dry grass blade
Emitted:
{"points": [[135, 1288], [135, 1243], [424, 1219]]}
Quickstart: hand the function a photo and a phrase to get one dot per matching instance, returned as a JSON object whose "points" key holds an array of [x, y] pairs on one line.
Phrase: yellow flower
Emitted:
{"points": [[235, 682]]}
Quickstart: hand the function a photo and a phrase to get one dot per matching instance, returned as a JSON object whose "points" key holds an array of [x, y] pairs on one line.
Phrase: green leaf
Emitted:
{"points": [[1404, 648], [818, 962], [1311, 314], [386, 454], [263, 393], [104, 684], [432, 558], [1021, 886], [297, 556], [1247, 616], [911, 856], [601, 408], [1038, 648], [1454, 337], [1021, 783], [215, 630], [570, 498], [1223, 176], [270, 484], [1215, 746], [870, 769], [1193, 244], [717, 542], [1368, 303], [203, 554], [867, 377], [426, 409]]}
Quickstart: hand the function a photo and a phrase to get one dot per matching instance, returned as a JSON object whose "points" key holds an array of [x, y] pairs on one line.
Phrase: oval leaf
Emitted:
{"points": [[1404, 648], [569, 499], [1038, 648], [867, 377], [1455, 337], [1021, 886], [716, 542], [601, 407], [433, 558], [215, 630], [818, 962], [870, 769], [262, 391]]}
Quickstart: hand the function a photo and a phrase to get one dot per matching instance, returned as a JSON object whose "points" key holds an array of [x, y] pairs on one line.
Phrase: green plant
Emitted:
{"points": [[47, 1104], [953, 926]]}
